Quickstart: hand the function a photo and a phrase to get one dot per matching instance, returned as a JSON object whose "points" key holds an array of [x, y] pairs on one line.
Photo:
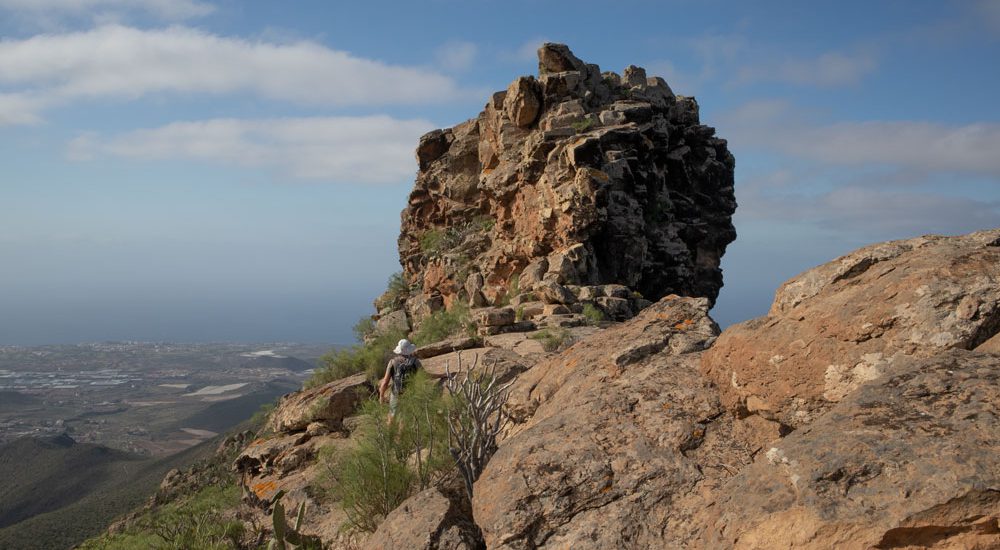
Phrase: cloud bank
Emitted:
{"points": [[120, 62], [363, 149], [166, 9]]}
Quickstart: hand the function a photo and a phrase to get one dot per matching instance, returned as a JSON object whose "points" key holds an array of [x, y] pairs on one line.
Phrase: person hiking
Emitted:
{"points": [[399, 369]]}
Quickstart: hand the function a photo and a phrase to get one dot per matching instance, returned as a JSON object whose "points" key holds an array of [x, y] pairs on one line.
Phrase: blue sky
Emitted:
{"points": [[193, 170]]}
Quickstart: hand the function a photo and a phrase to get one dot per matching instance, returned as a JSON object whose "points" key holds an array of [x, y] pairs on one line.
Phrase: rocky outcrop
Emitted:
{"points": [[328, 404], [574, 178], [437, 518], [907, 461], [844, 323], [618, 443]]}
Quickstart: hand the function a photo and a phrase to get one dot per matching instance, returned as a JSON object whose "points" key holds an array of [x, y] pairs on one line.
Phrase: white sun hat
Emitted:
{"points": [[405, 347]]}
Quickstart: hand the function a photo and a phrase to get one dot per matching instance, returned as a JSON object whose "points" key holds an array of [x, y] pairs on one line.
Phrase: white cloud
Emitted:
{"points": [[912, 144], [680, 81], [906, 144], [527, 51], [829, 70], [173, 10], [867, 210], [122, 62], [365, 149], [734, 60], [456, 56], [18, 109]]}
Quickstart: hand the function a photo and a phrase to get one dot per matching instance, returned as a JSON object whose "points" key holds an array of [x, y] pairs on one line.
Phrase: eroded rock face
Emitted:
{"points": [[846, 322], [620, 440], [907, 461], [571, 178]]}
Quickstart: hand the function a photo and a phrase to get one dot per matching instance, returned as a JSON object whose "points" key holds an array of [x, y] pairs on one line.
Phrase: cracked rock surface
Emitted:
{"points": [[907, 461], [619, 443], [839, 325]]}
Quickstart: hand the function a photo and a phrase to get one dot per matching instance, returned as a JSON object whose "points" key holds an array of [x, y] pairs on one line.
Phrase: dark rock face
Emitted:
{"points": [[606, 178]]}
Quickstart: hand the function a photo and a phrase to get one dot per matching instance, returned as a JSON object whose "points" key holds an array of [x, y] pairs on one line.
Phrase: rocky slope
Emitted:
{"points": [[861, 412], [623, 443], [565, 183]]}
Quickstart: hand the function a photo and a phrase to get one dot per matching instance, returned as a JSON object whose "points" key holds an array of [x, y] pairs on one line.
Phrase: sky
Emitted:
{"points": [[199, 170]]}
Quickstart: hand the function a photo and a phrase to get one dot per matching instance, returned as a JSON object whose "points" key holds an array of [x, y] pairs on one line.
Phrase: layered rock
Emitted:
{"points": [[907, 461], [844, 323], [574, 178]]}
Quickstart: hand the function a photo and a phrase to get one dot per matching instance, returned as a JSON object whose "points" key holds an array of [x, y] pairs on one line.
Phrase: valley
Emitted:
{"points": [[151, 399]]}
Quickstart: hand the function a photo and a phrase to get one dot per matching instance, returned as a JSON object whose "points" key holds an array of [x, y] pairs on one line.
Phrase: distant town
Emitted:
{"points": [[149, 398]]}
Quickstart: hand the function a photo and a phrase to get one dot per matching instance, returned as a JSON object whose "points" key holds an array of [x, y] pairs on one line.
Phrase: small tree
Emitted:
{"points": [[372, 479], [477, 419], [392, 459]]}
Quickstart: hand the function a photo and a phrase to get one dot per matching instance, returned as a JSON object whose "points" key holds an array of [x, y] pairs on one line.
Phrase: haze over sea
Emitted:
{"points": [[252, 192]]}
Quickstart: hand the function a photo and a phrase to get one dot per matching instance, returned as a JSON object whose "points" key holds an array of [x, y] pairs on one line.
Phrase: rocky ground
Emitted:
{"points": [[645, 434]]}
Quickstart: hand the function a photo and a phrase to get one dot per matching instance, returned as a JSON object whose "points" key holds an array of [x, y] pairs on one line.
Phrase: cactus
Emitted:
{"points": [[286, 538]]}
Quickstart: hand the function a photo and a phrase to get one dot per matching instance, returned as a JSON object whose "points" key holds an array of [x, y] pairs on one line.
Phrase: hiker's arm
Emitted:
{"points": [[384, 384]]}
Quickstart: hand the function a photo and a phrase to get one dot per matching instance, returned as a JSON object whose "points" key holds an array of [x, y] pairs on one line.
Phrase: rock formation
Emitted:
{"points": [[565, 184], [844, 323]]}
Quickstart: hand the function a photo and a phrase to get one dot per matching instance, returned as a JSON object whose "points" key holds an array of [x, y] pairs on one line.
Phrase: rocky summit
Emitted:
{"points": [[566, 182]]}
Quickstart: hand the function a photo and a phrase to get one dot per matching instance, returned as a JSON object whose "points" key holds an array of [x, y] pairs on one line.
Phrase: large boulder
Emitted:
{"points": [[329, 404], [841, 324], [578, 177], [618, 441], [437, 518], [907, 461]]}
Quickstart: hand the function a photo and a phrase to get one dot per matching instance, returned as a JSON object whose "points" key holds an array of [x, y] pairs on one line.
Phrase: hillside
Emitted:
{"points": [[224, 415], [69, 491]]}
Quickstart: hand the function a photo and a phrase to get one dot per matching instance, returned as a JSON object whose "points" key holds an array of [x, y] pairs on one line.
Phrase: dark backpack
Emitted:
{"points": [[402, 367]]}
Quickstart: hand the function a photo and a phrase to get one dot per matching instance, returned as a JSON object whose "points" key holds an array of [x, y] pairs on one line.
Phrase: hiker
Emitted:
{"points": [[400, 367]]}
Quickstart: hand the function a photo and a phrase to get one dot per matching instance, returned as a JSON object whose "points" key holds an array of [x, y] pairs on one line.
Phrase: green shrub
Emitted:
{"points": [[552, 339], [260, 417], [364, 328], [483, 223], [392, 459], [519, 314], [583, 125], [436, 241], [593, 314], [205, 521], [444, 323], [397, 289], [370, 357]]}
